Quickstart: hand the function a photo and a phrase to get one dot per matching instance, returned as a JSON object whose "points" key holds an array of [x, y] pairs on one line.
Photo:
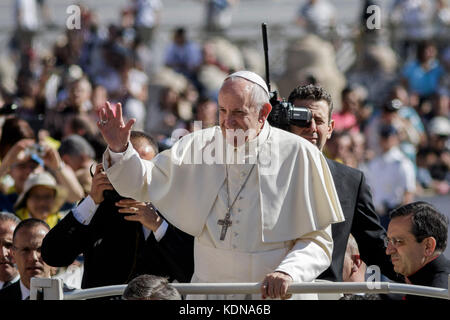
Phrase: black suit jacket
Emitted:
{"points": [[11, 292], [433, 274], [360, 220], [115, 250]]}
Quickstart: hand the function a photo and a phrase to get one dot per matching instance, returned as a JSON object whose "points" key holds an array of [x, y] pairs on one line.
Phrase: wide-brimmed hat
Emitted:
{"points": [[41, 179]]}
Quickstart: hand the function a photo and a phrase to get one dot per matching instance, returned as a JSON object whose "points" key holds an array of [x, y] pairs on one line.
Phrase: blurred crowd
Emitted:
{"points": [[391, 109]]}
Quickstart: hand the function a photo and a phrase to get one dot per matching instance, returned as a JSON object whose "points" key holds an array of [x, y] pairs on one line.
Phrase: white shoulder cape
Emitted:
{"points": [[297, 192]]}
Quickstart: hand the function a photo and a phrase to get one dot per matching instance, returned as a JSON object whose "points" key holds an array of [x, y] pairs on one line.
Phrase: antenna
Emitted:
{"points": [[266, 53]]}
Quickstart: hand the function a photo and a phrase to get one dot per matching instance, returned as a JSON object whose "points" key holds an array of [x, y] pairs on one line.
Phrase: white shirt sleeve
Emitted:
{"points": [[310, 256], [115, 156], [85, 211], [159, 233]]}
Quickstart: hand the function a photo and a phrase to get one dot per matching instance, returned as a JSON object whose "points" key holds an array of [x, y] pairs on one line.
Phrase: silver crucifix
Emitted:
{"points": [[225, 223]]}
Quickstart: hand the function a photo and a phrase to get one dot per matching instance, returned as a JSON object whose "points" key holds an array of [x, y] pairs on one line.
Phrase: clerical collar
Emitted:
{"points": [[424, 275]]}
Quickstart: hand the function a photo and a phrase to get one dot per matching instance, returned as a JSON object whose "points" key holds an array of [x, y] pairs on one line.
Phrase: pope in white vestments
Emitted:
{"points": [[260, 211]]}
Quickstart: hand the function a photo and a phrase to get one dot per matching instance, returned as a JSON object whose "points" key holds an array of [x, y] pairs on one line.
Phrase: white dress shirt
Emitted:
{"points": [[390, 175], [24, 290]]}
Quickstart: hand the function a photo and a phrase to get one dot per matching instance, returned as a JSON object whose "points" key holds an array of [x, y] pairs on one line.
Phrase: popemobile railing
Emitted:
{"points": [[52, 289]]}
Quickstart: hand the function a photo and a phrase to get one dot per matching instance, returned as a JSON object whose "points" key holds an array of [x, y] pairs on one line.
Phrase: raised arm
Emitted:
{"points": [[112, 127]]}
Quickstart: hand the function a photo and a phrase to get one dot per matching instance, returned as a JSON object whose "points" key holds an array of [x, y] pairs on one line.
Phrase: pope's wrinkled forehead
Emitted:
{"points": [[235, 93]]}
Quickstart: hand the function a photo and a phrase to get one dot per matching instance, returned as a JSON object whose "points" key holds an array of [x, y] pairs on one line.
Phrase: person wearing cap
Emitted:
{"points": [[439, 130], [435, 165], [259, 201], [395, 113], [390, 175], [41, 199]]}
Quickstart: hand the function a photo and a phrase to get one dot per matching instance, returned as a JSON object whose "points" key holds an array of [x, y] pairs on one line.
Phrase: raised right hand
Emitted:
{"points": [[100, 183], [115, 132]]}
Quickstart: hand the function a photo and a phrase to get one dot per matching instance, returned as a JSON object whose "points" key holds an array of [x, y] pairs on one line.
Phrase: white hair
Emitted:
{"points": [[352, 246], [8, 216]]}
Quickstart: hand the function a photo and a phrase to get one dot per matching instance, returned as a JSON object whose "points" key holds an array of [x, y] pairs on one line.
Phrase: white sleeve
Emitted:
{"points": [[159, 233], [85, 211], [310, 256], [133, 177], [115, 156]]}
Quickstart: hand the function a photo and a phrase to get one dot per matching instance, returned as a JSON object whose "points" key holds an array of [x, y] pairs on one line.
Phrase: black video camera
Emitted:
{"points": [[285, 113]]}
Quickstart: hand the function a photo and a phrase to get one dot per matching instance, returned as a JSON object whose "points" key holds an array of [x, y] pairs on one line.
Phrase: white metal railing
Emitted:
{"points": [[50, 289]]}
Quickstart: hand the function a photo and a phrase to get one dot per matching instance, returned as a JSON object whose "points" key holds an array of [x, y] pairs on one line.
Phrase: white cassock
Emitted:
{"points": [[280, 220]]}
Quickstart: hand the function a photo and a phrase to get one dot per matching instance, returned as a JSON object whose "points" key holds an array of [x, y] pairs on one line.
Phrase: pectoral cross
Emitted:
{"points": [[225, 223]]}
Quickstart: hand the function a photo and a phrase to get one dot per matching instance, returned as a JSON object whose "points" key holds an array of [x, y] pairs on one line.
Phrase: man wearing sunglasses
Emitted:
{"points": [[417, 237]]}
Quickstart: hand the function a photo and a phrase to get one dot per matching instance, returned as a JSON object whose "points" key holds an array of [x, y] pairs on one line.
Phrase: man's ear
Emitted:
{"points": [[265, 110], [66, 158], [430, 246], [13, 254], [330, 129], [357, 260]]}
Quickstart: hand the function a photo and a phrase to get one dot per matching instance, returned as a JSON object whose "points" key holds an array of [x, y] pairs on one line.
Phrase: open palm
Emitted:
{"points": [[115, 132]]}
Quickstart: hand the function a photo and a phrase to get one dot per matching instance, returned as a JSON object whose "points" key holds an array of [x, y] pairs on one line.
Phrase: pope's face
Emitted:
{"points": [[320, 128], [236, 112], [7, 269]]}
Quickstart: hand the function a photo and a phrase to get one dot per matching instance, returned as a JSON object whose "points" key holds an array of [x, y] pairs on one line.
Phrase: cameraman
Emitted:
{"points": [[116, 247], [354, 193]]}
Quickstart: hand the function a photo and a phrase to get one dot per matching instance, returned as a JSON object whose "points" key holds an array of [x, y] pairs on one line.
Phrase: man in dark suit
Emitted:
{"points": [[8, 271], [354, 194], [417, 237], [119, 238], [27, 241]]}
